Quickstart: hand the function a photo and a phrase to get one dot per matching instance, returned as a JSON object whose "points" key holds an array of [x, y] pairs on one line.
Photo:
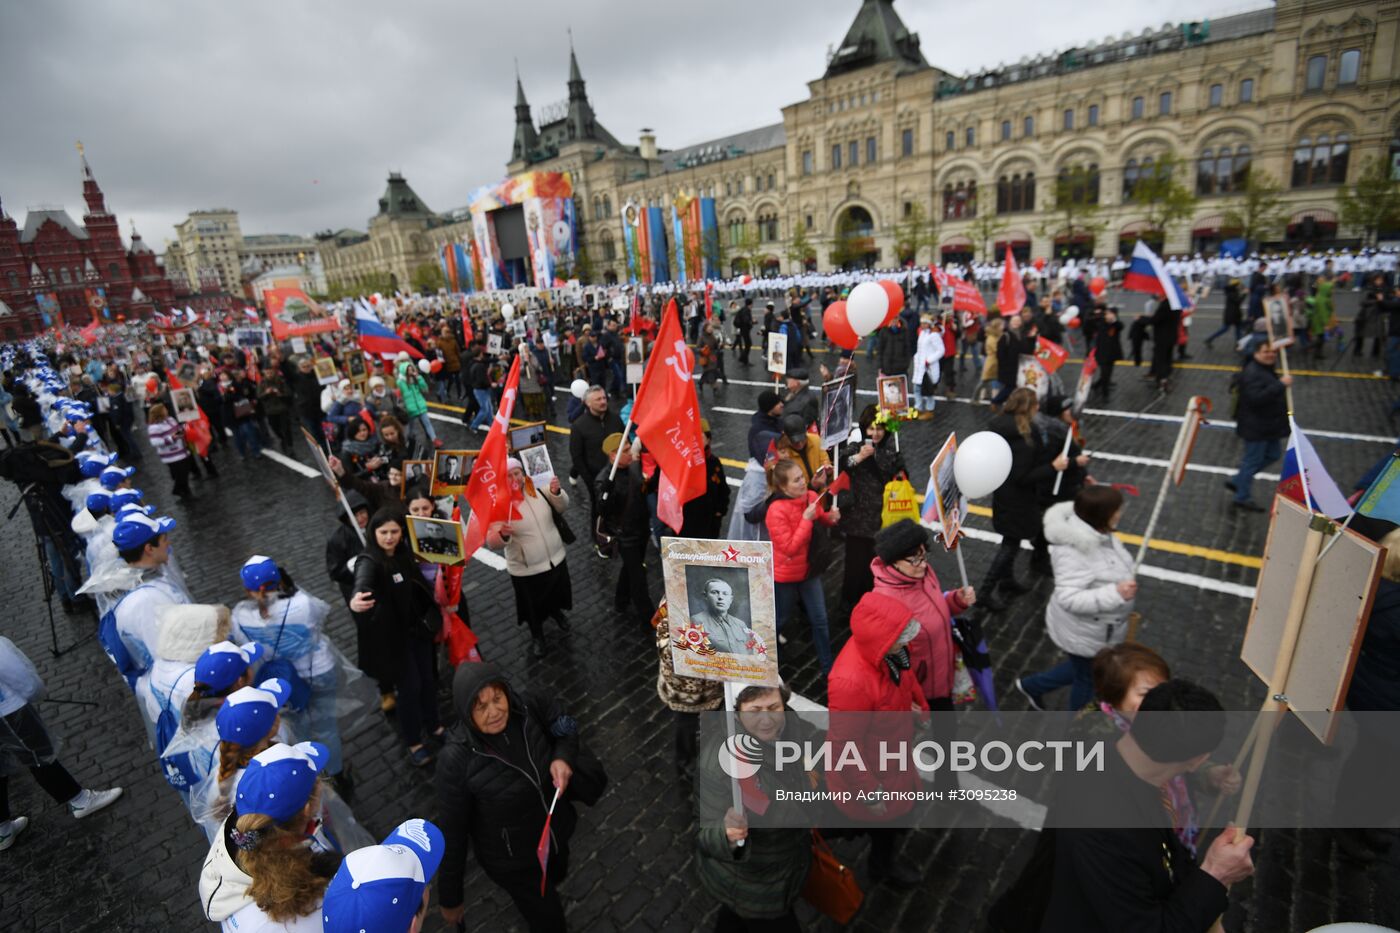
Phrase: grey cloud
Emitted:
{"points": [[292, 113]]}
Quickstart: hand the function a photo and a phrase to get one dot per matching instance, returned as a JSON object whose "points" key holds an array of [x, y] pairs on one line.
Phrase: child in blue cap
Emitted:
{"points": [[385, 887]]}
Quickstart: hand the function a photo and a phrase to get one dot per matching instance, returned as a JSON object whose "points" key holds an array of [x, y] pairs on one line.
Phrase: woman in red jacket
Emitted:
{"points": [[791, 510], [901, 570], [874, 675]]}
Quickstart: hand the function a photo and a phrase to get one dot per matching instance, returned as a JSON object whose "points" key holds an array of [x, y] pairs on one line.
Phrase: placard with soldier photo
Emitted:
{"points": [[636, 359], [949, 501], [355, 369], [451, 470], [1278, 319], [893, 394], [250, 337], [436, 540], [494, 344], [186, 407], [777, 353], [416, 473], [326, 373], [838, 401], [525, 435], [721, 609], [536, 464]]}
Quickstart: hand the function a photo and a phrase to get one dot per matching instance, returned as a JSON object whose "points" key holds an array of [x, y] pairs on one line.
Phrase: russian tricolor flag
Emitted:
{"points": [[1146, 273], [1305, 480], [377, 339]]}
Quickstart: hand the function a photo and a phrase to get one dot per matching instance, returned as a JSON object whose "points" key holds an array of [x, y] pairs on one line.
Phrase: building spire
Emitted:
{"points": [[575, 76], [82, 157], [92, 194], [526, 140]]}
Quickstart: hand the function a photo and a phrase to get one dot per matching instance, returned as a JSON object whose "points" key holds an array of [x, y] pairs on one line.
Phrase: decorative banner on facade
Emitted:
{"points": [[709, 237], [456, 267], [721, 609], [97, 303], [632, 241], [656, 230], [49, 309], [292, 313], [690, 247]]}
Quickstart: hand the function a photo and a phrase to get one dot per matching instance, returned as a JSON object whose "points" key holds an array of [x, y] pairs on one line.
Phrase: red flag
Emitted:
{"points": [[966, 296], [634, 323], [461, 641], [1011, 297], [709, 300], [669, 422], [1051, 355], [488, 489], [90, 331], [467, 334]]}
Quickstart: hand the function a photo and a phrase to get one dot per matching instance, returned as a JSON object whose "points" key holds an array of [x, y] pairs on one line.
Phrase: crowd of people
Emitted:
{"points": [[245, 707]]}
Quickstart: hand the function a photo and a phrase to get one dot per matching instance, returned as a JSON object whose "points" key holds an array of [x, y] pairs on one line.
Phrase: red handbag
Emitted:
{"points": [[831, 887]]}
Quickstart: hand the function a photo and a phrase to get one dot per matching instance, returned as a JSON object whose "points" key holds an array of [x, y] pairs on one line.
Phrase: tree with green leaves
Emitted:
{"points": [[713, 247], [915, 231], [427, 278], [1373, 203], [800, 249], [1074, 206], [1161, 195], [751, 249], [1259, 209], [987, 225]]}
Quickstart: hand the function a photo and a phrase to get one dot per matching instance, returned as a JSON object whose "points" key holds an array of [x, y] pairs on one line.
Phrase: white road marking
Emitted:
{"points": [[291, 464]]}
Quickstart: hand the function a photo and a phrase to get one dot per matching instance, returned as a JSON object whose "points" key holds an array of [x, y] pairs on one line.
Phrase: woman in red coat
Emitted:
{"points": [[872, 675], [789, 513], [901, 570]]}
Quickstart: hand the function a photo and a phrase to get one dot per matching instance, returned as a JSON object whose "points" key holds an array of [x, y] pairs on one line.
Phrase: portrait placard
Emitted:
{"points": [[722, 612], [318, 454], [416, 473], [250, 337], [436, 540], [494, 343], [526, 435], [777, 353], [326, 373], [536, 464], [355, 369], [893, 394], [1278, 319], [838, 402], [451, 470], [186, 408], [949, 501], [636, 356]]}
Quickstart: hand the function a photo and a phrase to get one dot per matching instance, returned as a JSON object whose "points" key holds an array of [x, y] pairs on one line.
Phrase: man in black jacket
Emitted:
{"points": [[1261, 421], [586, 436], [1130, 871], [894, 349], [496, 778], [1166, 327], [301, 376], [622, 502], [743, 332]]}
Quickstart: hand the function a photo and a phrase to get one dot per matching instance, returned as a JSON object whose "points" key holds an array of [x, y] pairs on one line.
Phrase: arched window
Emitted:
{"points": [[1321, 153], [111, 271], [736, 230], [1028, 127], [1302, 160], [1241, 167], [64, 276], [950, 140], [609, 249], [1205, 173], [1130, 179], [1349, 68], [1003, 195], [1005, 129], [1341, 155], [607, 206], [1224, 176], [948, 203], [1317, 71]]}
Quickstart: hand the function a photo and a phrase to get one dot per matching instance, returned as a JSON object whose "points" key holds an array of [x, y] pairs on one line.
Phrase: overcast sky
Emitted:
{"points": [[292, 112]]}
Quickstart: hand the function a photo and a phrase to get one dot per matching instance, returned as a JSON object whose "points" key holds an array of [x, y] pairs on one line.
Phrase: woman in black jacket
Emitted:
{"points": [[1016, 513], [496, 781], [871, 464], [391, 595]]}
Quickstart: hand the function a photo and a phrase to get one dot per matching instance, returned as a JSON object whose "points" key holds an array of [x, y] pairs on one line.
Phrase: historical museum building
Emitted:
{"points": [[54, 270]]}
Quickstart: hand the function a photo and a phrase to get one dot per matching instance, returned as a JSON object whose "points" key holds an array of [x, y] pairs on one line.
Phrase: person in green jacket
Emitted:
{"points": [[412, 386], [1321, 311], [756, 874]]}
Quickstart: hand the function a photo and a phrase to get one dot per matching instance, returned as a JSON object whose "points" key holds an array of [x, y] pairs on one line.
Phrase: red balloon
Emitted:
{"points": [[746, 279], [896, 296], [838, 329], [1039, 264], [435, 366], [1073, 323], [1097, 285]]}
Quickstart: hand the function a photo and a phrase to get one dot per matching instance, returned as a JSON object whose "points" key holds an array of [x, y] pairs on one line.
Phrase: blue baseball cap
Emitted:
{"points": [[133, 508], [91, 465], [249, 712], [258, 572], [381, 887], [113, 476], [222, 664], [99, 502], [279, 781], [134, 530], [125, 497], [75, 414]]}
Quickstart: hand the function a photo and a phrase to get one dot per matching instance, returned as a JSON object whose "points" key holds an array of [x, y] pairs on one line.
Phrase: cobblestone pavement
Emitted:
{"points": [[135, 866]]}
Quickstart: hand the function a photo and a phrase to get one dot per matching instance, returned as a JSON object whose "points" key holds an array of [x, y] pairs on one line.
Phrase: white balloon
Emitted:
{"points": [[866, 308], [425, 367], [579, 388], [1069, 314], [982, 464], [507, 310]]}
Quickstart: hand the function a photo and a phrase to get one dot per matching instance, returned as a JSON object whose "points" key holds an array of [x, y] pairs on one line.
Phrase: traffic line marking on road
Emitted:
{"points": [[1156, 544], [289, 463]]}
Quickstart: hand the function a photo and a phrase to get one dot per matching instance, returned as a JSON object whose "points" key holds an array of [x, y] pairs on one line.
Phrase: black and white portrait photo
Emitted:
{"points": [[417, 473], [536, 464], [451, 469], [436, 540], [718, 598]]}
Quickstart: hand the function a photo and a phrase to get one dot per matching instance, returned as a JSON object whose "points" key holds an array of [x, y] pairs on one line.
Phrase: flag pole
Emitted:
{"points": [[1181, 435], [1064, 452], [1287, 389], [731, 695]]}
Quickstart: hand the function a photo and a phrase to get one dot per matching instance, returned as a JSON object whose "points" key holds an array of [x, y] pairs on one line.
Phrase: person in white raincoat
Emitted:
{"points": [[928, 350]]}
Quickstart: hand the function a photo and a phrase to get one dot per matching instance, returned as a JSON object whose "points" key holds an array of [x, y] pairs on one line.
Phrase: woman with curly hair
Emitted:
{"points": [[271, 860]]}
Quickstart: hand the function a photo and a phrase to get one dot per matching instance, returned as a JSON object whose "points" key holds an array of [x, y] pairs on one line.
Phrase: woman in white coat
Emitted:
{"points": [[535, 555], [928, 350], [1094, 592]]}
